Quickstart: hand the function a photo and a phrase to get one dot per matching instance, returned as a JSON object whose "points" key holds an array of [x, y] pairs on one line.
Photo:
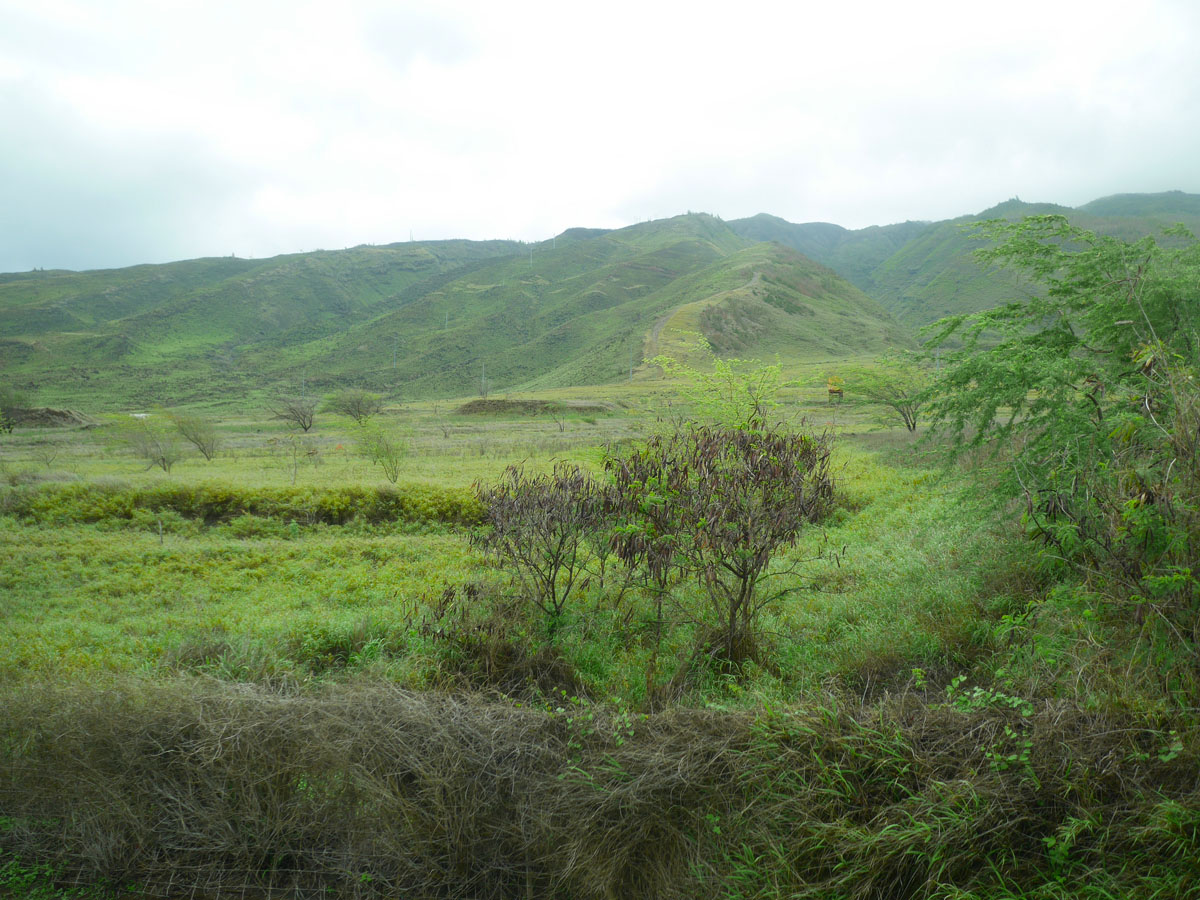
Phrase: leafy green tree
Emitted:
{"points": [[1089, 388], [384, 449], [899, 384], [356, 403], [728, 392]]}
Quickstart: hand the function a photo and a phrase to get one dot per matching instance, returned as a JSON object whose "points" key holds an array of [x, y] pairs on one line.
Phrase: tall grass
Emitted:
{"points": [[370, 790]]}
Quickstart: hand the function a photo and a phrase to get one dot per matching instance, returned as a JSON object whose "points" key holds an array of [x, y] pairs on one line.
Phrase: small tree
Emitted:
{"points": [[559, 413], [730, 392], [899, 384], [384, 449], [46, 452], [539, 525], [440, 419], [719, 503], [298, 411], [356, 403], [12, 402], [199, 431], [155, 443]]}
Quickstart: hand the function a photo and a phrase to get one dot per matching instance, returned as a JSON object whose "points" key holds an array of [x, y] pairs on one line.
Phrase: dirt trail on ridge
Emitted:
{"points": [[662, 321]]}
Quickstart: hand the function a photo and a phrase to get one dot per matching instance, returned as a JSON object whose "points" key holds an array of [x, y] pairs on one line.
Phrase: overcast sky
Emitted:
{"points": [[159, 130]]}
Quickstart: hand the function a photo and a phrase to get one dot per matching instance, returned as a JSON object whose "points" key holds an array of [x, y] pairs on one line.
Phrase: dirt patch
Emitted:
{"points": [[47, 417], [490, 407]]}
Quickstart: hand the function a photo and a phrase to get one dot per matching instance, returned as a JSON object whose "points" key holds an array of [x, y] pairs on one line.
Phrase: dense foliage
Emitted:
{"points": [[1090, 387], [718, 503]]}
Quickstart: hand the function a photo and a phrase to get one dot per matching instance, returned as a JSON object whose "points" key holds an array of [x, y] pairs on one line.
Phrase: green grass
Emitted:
{"points": [[213, 659], [116, 569]]}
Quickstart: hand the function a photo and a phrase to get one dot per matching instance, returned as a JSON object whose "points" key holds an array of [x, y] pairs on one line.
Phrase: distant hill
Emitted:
{"points": [[1169, 205], [438, 318], [923, 271], [425, 319]]}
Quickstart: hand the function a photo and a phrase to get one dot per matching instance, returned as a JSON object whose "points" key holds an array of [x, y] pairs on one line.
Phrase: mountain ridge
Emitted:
{"points": [[923, 271], [442, 318], [420, 319]]}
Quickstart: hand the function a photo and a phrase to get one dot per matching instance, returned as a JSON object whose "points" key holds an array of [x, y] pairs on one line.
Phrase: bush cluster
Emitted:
{"points": [[212, 503], [711, 504]]}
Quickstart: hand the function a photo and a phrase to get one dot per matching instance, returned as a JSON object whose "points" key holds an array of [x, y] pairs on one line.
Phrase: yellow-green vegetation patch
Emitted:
{"points": [[173, 572], [76, 599]]}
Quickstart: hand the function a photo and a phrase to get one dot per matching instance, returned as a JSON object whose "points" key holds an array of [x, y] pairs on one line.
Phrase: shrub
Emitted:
{"points": [[12, 402], [154, 443], [384, 449], [215, 503], [199, 431], [718, 503], [539, 525]]}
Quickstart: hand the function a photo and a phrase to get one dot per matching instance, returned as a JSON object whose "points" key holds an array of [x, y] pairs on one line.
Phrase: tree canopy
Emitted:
{"points": [[1089, 387]]}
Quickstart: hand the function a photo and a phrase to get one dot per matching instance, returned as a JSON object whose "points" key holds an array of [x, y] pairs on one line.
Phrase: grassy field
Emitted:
{"points": [[98, 575], [277, 673]]}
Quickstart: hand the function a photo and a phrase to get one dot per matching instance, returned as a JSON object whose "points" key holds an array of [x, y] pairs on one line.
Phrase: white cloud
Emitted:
{"points": [[182, 128]]}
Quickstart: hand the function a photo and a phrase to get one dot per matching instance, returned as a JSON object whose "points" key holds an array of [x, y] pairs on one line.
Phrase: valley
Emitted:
{"points": [[666, 561]]}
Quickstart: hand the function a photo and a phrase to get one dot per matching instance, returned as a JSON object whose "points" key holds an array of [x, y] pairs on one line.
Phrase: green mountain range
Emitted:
{"points": [[426, 319], [923, 271], [443, 318]]}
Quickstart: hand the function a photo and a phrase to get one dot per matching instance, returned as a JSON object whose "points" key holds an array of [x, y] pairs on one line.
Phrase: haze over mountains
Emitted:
{"points": [[436, 318]]}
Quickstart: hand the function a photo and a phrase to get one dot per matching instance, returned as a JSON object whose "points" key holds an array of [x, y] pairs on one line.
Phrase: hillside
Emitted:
{"points": [[425, 319], [922, 271]]}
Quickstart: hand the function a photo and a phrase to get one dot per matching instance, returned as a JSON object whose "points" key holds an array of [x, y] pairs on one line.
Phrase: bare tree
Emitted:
{"points": [[155, 443], [46, 452], [199, 431], [356, 403], [440, 419], [298, 411], [559, 412]]}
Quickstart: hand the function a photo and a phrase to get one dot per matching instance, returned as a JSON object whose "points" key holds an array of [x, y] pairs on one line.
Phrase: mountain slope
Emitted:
{"points": [[923, 271], [581, 311], [423, 319]]}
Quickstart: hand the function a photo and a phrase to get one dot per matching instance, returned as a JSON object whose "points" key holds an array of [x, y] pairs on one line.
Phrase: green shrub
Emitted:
{"points": [[211, 503]]}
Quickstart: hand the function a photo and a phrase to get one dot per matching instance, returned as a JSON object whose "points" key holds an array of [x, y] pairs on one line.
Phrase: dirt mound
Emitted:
{"points": [[48, 417], [490, 407]]}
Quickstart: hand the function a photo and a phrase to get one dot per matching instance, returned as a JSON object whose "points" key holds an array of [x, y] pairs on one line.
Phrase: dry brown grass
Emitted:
{"points": [[366, 789]]}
